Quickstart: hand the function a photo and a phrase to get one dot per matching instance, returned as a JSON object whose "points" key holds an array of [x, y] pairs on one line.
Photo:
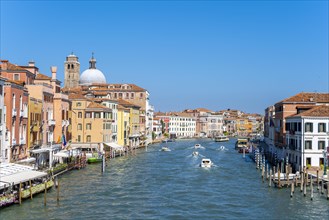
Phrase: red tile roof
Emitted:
{"points": [[308, 97], [316, 111], [41, 76]]}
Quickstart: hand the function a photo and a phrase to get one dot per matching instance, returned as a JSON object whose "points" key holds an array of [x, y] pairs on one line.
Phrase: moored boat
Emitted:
{"points": [[241, 143], [195, 153]]}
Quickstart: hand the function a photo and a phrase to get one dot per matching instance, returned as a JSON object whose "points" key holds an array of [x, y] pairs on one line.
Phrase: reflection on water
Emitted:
{"points": [[154, 184]]}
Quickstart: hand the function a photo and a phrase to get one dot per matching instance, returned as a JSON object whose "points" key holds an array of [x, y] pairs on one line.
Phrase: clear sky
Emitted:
{"points": [[243, 55]]}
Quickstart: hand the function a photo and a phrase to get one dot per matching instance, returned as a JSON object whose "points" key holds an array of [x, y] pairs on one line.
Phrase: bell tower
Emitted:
{"points": [[71, 71]]}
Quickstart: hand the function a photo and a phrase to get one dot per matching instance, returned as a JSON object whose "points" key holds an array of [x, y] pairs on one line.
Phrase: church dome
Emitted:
{"points": [[92, 75]]}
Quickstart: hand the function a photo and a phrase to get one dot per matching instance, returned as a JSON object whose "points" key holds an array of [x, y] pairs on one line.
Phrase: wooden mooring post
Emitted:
{"points": [[328, 190], [20, 193], [270, 179], [45, 195], [31, 196], [279, 178], [312, 188], [317, 179], [57, 186], [302, 182], [292, 187]]}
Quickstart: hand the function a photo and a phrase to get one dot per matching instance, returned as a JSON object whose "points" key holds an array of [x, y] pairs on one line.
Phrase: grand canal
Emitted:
{"points": [[152, 184]]}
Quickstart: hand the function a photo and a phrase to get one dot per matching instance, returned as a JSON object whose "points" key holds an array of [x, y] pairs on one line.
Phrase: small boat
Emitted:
{"points": [[195, 153], [197, 146], [94, 160], [221, 138], [206, 163], [283, 176], [165, 149]]}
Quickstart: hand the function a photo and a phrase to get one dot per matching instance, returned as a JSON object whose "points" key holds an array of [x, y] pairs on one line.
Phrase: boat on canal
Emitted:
{"points": [[196, 146], [165, 149], [221, 138], [207, 163]]}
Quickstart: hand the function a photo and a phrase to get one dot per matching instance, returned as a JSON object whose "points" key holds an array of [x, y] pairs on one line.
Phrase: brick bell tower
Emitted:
{"points": [[71, 71]]}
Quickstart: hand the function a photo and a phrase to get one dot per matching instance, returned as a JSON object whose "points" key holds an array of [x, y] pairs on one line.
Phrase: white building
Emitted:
{"points": [[2, 123], [307, 136], [181, 125]]}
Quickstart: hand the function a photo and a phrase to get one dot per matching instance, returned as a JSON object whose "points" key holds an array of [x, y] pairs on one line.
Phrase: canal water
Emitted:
{"points": [[153, 184]]}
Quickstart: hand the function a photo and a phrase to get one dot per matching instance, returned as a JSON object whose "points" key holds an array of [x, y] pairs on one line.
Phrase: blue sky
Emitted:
{"points": [[243, 55]]}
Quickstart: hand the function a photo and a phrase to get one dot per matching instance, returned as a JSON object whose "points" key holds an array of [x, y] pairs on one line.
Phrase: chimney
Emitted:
{"points": [[53, 70], [31, 63], [4, 65]]}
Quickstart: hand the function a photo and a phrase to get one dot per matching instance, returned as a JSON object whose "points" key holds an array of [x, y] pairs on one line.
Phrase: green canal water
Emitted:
{"points": [[152, 184]]}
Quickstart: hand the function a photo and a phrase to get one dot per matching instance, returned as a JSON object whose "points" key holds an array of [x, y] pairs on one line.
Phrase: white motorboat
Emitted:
{"points": [[195, 153], [165, 149], [206, 163], [197, 146]]}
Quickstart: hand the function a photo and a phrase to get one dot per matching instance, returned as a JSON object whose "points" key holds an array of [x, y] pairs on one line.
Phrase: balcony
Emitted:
{"points": [[14, 113], [23, 113], [22, 141], [51, 122]]}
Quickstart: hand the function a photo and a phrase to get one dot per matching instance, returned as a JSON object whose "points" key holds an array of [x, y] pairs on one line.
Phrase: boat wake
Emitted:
{"points": [[222, 148]]}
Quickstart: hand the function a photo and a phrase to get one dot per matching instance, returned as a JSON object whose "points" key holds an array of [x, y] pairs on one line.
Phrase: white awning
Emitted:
{"points": [[15, 173], [27, 160], [20, 177], [62, 154], [114, 146], [78, 145]]}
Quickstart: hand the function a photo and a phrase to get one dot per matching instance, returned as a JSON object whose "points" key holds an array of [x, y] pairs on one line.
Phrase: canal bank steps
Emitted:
{"points": [[304, 179]]}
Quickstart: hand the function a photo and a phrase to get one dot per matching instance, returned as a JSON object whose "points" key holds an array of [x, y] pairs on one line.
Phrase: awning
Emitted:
{"points": [[114, 146], [62, 154], [27, 160], [20, 177], [15, 173], [78, 145]]}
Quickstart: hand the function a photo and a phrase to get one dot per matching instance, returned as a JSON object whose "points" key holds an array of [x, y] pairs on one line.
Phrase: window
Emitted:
{"points": [[322, 127], [97, 115], [120, 95], [308, 145], [79, 138], [141, 95], [308, 161], [88, 115], [321, 145], [88, 138], [115, 95], [88, 126], [79, 114], [68, 66], [16, 76], [78, 104], [132, 95], [308, 127], [79, 127]]}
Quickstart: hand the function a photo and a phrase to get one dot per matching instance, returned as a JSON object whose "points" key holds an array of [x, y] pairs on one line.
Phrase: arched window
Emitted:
{"points": [[68, 66], [72, 66]]}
